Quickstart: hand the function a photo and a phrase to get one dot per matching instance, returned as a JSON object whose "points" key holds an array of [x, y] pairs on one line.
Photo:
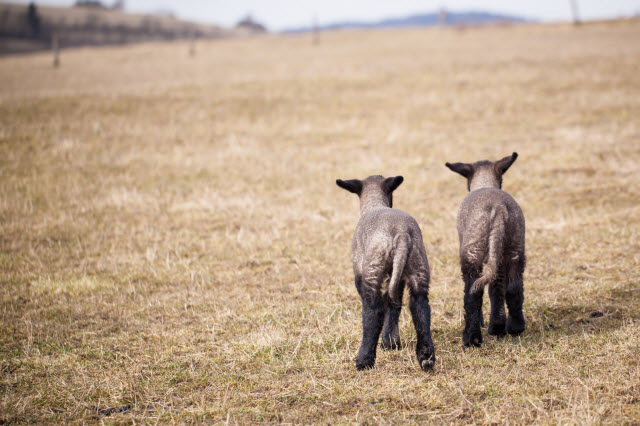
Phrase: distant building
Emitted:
{"points": [[118, 5], [94, 4], [249, 24]]}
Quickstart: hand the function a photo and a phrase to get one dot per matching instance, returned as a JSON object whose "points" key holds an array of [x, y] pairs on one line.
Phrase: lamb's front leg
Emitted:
{"points": [[372, 320]]}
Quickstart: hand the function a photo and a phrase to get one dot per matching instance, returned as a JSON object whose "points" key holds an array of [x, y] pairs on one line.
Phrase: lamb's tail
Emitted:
{"points": [[494, 255], [401, 245]]}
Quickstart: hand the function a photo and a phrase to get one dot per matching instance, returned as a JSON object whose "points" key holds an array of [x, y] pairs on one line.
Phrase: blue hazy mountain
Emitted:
{"points": [[419, 20]]}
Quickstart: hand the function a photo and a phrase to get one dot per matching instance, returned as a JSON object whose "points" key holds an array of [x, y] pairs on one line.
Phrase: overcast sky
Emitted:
{"points": [[281, 14]]}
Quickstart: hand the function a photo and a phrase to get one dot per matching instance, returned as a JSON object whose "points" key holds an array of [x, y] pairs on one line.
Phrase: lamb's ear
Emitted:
{"points": [[465, 169], [351, 185], [503, 165], [390, 184]]}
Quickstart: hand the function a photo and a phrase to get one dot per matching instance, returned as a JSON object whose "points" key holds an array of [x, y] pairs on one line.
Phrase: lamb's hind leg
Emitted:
{"points": [[372, 320], [515, 299], [497, 319], [472, 334], [390, 331], [421, 315]]}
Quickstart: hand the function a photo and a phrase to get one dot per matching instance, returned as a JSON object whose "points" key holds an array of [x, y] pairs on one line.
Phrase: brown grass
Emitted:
{"points": [[173, 246]]}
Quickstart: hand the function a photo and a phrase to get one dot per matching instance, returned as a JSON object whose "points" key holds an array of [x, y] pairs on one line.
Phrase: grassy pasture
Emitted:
{"points": [[173, 246]]}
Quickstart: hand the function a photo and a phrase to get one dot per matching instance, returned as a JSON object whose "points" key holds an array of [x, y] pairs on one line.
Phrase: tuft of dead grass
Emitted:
{"points": [[173, 247]]}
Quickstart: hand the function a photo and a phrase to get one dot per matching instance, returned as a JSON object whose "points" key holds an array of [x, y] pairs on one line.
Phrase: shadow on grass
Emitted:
{"points": [[601, 313]]}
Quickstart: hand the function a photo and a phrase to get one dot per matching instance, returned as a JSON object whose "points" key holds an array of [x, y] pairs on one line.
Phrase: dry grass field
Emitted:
{"points": [[173, 246]]}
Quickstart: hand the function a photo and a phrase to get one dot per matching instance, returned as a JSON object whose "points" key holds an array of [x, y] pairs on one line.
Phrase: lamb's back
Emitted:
{"points": [[379, 226], [477, 210]]}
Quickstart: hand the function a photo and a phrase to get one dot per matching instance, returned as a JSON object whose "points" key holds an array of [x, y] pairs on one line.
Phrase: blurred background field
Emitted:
{"points": [[31, 28], [173, 246]]}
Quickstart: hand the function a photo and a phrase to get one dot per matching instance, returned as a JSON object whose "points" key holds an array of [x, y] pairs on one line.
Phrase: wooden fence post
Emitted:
{"points": [[55, 47], [315, 31], [574, 12], [192, 44]]}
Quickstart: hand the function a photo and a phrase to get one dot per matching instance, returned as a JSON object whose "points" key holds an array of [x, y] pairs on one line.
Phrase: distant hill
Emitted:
{"points": [[25, 30], [427, 19]]}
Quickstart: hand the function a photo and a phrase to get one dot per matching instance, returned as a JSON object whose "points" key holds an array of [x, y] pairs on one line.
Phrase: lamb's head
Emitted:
{"points": [[373, 191], [484, 174]]}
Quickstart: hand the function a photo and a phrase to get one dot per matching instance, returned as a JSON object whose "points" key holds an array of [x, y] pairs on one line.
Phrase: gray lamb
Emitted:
{"points": [[388, 243], [491, 231]]}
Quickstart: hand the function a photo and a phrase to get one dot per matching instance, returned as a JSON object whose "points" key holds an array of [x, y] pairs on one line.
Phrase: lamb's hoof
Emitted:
{"points": [[391, 344], [365, 364], [496, 329], [427, 364], [475, 339], [515, 326], [426, 358]]}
